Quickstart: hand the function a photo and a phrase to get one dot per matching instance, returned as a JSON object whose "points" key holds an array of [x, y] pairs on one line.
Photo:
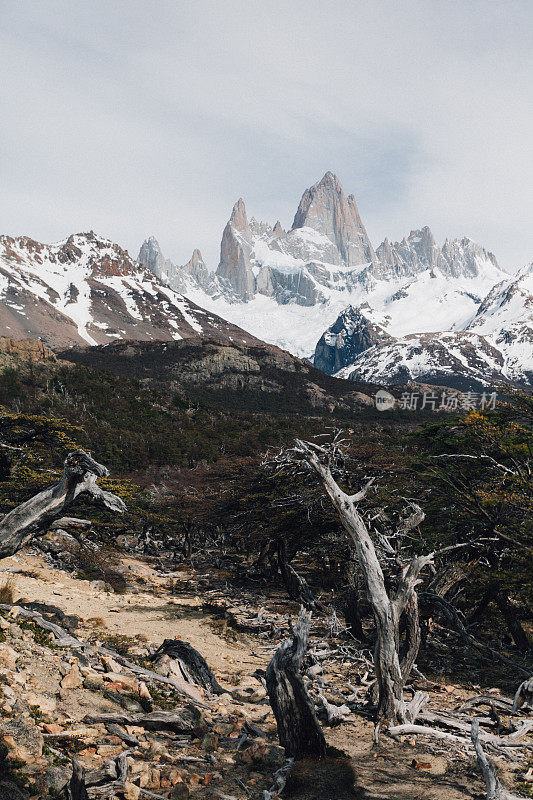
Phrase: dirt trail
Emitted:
{"points": [[152, 615]]}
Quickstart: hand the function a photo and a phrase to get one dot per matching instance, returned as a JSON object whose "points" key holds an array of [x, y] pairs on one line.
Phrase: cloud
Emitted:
{"points": [[137, 118]]}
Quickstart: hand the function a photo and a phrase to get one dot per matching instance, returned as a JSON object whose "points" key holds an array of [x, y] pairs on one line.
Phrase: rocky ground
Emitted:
{"points": [[156, 742]]}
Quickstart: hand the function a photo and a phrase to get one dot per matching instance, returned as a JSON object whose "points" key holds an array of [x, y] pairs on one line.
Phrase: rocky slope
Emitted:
{"points": [[88, 290], [284, 285]]}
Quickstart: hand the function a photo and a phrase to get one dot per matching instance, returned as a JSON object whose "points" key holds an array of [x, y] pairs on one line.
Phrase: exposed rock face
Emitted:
{"points": [[351, 334], [419, 252], [235, 251], [87, 289], [27, 349], [325, 208], [151, 256], [287, 286]]}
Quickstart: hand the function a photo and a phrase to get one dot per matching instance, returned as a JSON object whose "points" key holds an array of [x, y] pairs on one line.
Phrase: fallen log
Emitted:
{"points": [[298, 728], [495, 790], [188, 663], [187, 720]]}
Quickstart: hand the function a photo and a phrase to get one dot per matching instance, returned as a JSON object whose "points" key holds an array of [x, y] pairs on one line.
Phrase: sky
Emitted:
{"points": [[138, 118]]}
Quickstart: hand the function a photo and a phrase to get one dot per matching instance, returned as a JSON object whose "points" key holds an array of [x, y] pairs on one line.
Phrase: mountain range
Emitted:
{"points": [[403, 311]]}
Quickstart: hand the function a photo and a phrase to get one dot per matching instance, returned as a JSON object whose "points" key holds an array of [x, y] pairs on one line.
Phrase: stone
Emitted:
{"points": [[180, 792], [10, 791], [131, 792], [73, 679], [93, 682], [22, 738], [8, 657], [262, 752], [45, 703], [210, 742], [110, 665]]}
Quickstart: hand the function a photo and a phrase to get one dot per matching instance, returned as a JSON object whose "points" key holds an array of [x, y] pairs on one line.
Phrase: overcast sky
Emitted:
{"points": [[142, 118]]}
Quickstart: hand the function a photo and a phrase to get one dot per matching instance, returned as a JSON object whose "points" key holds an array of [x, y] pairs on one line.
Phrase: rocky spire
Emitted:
{"points": [[235, 250], [325, 208], [239, 218], [151, 256]]}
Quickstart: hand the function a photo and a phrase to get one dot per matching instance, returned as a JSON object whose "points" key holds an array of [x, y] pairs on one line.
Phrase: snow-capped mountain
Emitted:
{"points": [[496, 345], [88, 290], [286, 286]]}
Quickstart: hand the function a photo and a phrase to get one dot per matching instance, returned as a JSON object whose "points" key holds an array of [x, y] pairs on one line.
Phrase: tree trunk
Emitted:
{"points": [[298, 728], [352, 613]]}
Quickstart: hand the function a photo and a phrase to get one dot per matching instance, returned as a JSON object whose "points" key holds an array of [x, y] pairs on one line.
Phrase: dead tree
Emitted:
{"points": [[524, 695], [79, 476], [392, 671], [298, 728]]}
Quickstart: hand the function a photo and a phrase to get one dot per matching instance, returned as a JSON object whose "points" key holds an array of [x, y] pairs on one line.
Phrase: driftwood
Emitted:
{"points": [[280, 779], [495, 790], [79, 476], [334, 714], [75, 788], [187, 720], [182, 659], [298, 728]]}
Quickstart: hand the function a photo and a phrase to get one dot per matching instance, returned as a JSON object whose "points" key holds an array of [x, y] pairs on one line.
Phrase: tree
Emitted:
{"points": [[391, 600]]}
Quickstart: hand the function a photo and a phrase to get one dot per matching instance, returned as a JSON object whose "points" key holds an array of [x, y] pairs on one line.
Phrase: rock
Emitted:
{"points": [[93, 682], [43, 702], [22, 738], [10, 791], [131, 792], [15, 631], [210, 742], [144, 692], [8, 657], [52, 727], [110, 665], [53, 780], [73, 679], [128, 682], [261, 751]]}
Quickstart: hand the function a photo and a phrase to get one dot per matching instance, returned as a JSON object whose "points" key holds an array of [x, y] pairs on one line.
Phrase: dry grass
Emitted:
{"points": [[7, 591]]}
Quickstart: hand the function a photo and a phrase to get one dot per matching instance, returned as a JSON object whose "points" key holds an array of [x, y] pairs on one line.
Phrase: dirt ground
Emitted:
{"points": [[355, 768]]}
